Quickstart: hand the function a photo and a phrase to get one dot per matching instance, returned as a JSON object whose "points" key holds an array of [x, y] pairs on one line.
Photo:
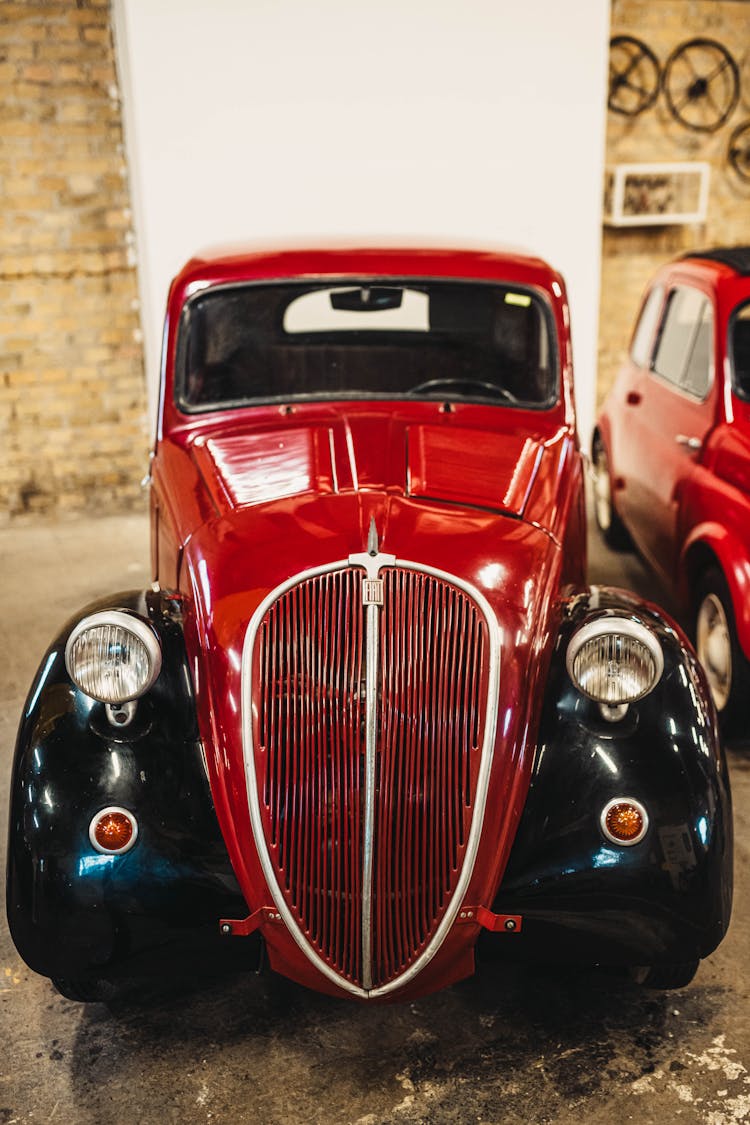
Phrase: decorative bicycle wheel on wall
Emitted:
{"points": [[744, 69], [739, 150], [633, 76], [701, 83]]}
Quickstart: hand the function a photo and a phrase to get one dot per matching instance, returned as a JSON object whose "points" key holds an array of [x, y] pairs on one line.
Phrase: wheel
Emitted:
{"points": [[634, 76], [716, 643], [675, 974], [611, 527], [701, 84], [739, 150], [85, 990]]}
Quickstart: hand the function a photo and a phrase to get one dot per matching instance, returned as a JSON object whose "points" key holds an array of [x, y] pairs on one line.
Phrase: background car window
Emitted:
{"points": [[699, 370], [739, 350], [421, 338], [684, 351], [643, 337]]}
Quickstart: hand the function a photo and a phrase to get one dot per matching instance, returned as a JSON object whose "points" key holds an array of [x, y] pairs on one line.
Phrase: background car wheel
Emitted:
{"points": [[85, 990], [609, 523], [719, 652], [674, 975]]}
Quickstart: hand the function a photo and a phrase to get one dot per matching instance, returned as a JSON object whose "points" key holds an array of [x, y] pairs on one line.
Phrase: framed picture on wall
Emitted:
{"points": [[656, 194]]}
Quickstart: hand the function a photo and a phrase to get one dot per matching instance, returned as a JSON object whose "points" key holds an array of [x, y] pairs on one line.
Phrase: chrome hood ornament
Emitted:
{"points": [[372, 560]]}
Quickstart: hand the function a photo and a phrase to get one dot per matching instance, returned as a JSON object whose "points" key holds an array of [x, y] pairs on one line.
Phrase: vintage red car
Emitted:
{"points": [[671, 456], [369, 717]]}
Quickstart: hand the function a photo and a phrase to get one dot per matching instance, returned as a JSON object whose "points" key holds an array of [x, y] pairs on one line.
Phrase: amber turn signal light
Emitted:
{"points": [[624, 821], [113, 831]]}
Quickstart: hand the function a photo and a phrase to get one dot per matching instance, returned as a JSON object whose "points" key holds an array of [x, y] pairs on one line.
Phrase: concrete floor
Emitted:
{"points": [[510, 1045]]}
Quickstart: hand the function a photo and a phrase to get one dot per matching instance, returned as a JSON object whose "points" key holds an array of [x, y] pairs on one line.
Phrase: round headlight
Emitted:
{"points": [[113, 656], [614, 660]]}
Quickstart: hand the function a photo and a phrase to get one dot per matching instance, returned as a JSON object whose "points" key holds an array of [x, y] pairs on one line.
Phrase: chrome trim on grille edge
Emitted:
{"points": [[493, 687]]}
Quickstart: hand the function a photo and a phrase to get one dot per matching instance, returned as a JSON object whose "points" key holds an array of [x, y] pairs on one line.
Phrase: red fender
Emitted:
{"points": [[733, 560]]}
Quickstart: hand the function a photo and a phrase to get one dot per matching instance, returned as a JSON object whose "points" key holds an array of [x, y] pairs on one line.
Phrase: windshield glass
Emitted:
{"points": [[242, 344]]}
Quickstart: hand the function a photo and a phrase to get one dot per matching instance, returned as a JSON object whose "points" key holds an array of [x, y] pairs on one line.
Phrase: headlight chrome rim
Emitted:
{"points": [[614, 625], [130, 623]]}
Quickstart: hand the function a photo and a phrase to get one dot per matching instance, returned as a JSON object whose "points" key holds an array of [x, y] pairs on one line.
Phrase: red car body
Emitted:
{"points": [[677, 453], [361, 737], [220, 491]]}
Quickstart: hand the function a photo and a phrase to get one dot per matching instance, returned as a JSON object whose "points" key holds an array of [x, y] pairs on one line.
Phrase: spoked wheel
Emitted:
{"points": [[701, 84], [739, 150], [716, 643], [634, 75], [612, 529]]}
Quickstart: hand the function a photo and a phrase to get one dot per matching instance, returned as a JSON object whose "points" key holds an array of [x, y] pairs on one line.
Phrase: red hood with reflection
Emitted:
{"points": [[447, 490]]}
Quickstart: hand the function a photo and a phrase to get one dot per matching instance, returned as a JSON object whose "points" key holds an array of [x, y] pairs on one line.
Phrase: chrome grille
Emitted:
{"points": [[308, 693]]}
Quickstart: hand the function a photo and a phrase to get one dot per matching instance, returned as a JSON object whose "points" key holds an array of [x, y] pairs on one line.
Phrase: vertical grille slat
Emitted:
{"points": [[309, 756]]}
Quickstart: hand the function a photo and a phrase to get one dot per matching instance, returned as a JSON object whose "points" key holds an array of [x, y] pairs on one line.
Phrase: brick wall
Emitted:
{"points": [[73, 430], [630, 255]]}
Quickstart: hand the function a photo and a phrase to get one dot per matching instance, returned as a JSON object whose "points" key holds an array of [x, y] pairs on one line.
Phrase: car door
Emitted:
{"points": [[670, 412], [625, 419]]}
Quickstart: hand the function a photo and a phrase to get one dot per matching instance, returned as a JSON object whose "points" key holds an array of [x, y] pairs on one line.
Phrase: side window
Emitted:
{"points": [[640, 350], [739, 350], [699, 371], [684, 351]]}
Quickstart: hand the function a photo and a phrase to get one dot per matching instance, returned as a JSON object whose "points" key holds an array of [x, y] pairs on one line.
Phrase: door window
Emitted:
{"points": [[684, 351], [640, 350]]}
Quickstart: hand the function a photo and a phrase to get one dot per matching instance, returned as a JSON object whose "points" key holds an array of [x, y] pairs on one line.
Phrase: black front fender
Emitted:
{"points": [[71, 908], [666, 899]]}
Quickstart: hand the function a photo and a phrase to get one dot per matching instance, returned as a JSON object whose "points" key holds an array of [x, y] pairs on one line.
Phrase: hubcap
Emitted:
{"points": [[713, 642], [602, 491]]}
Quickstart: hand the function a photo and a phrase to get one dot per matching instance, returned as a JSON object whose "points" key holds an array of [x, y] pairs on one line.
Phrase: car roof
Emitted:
{"points": [[736, 257], [248, 263]]}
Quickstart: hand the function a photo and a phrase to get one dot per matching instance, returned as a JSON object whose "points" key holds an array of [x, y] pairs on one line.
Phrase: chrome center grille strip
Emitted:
{"points": [[371, 736], [372, 561]]}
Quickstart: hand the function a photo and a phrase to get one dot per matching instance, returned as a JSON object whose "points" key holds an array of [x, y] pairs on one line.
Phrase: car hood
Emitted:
{"points": [[470, 463], [265, 534]]}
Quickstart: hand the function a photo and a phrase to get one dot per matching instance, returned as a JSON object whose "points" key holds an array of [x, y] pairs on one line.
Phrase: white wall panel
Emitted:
{"points": [[415, 119]]}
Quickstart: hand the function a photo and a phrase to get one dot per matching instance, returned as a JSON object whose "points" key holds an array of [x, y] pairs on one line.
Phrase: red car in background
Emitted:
{"points": [[671, 457]]}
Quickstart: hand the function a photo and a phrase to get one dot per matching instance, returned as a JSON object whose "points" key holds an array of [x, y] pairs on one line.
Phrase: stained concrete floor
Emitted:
{"points": [[509, 1045]]}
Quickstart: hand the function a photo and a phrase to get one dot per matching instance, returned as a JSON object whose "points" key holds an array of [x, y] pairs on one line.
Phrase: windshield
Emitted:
{"points": [[244, 344]]}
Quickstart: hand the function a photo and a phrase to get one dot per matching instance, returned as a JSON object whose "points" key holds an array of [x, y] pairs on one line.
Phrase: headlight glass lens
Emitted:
{"points": [[113, 657], [615, 660]]}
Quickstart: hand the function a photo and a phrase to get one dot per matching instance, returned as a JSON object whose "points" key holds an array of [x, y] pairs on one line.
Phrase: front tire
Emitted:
{"points": [[85, 990], [611, 527], [718, 648], [676, 974]]}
